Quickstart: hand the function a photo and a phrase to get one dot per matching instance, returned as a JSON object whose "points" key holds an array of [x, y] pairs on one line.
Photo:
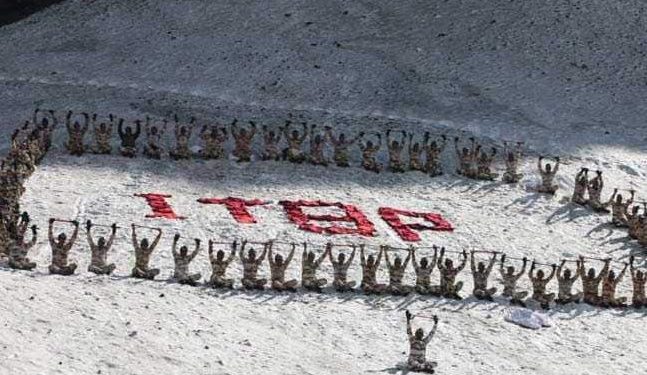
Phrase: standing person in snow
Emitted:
{"points": [[128, 138], [449, 288], [271, 141], [219, 266], [317, 144], [369, 150], [213, 140], [98, 260], [466, 158], [61, 248], [547, 176], [512, 157], [395, 151], [484, 164], [481, 273], [619, 207], [369, 272], [293, 152], [396, 273], [539, 283], [76, 132], [250, 267], [633, 221], [102, 135], [154, 135], [277, 270], [340, 146], [182, 137], [638, 279], [182, 260], [418, 347], [581, 183], [309, 266], [591, 283], [423, 273], [415, 154], [609, 284], [433, 151], [18, 248], [143, 253], [340, 271], [565, 281], [594, 189], [510, 282], [243, 140]]}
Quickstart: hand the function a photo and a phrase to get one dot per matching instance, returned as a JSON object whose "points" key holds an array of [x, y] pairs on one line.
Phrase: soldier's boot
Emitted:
{"points": [[64, 271]]}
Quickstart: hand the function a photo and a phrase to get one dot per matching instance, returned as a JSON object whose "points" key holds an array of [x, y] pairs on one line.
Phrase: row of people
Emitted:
{"points": [[251, 261]]}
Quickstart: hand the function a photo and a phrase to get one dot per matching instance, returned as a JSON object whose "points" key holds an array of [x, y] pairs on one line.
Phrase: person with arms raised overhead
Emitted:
{"points": [[128, 138], [277, 270], [293, 152], [340, 271], [98, 260], [213, 140], [449, 288], [418, 347], [243, 138], [591, 283], [61, 248], [309, 266], [547, 176], [340, 146], [369, 150], [369, 272], [609, 285], [433, 152], [619, 207], [250, 267], [423, 273], [481, 273], [143, 251], [182, 138], [154, 135], [18, 248], [581, 183], [510, 279], [565, 281], [102, 135], [219, 265], [271, 141], [594, 189], [638, 279], [396, 273], [395, 151], [182, 259], [539, 282], [512, 158]]}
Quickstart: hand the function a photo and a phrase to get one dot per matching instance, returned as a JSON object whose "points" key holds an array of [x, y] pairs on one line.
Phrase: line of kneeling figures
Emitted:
{"points": [[252, 259]]}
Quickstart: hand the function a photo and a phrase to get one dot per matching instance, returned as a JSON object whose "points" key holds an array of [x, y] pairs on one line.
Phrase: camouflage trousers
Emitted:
{"points": [[148, 274], [66, 270], [570, 298], [290, 285], [258, 284], [221, 282], [343, 286], [485, 294], [511, 177], [102, 269], [314, 285]]}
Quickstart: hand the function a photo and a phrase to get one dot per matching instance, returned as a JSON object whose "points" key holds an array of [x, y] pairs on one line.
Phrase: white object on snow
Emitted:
{"points": [[527, 318]]}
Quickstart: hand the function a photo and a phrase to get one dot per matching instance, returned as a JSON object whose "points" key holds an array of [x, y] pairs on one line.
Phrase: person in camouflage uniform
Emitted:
{"points": [[340, 271], [633, 221], [418, 347], [481, 273], [423, 273], [277, 270], [395, 152], [309, 266], [638, 279], [539, 283], [415, 154], [61, 248], [396, 273], [128, 138], [581, 183], [641, 232], [340, 146], [182, 138], [219, 266], [293, 152], [213, 140], [154, 135], [46, 128], [143, 251], [594, 189], [368, 154], [619, 207], [369, 272], [250, 267], [18, 248], [548, 176], [510, 278], [484, 164], [102, 135], [76, 132], [5, 222], [466, 158], [98, 262], [609, 284], [449, 288], [433, 151], [512, 158], [243, 141], [182, 259], [565, 281], [591, 283], [271, 141], [317, 144]]}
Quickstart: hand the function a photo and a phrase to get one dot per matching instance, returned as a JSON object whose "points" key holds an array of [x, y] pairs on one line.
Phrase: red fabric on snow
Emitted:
{"points": [[237, 207], [161, 208], [407, 231], [307, 222]]}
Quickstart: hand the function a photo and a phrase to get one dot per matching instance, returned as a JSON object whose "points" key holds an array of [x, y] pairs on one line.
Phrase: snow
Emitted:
{"points": [[558, 76]]}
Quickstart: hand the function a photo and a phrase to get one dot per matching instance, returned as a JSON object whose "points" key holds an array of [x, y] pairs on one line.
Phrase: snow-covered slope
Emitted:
{"points": [[557, 75]]}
